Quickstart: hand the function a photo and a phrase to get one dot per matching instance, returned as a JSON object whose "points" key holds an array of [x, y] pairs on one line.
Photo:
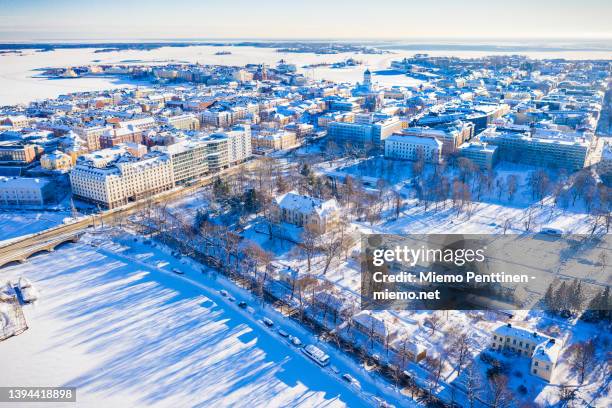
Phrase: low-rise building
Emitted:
{"points": [[481, 154], [56, 161], [186, 121], [274, 141], [414, 148], [541, 349], [18, 191], [302, 210]]}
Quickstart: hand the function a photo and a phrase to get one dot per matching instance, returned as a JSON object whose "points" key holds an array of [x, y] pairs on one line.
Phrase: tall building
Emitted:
{"points": [[367, 132], [189, 160], [566, 151], [238, 143], [124, 180]]}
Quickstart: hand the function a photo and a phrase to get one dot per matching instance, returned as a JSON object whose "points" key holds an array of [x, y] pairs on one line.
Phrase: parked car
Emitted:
{"points": [[295, 341], [351, 380], [348, 378], [242, 304], [223, 292], [551, 231], [283, 333], [178, 271], [267, 322], [231, 299]]}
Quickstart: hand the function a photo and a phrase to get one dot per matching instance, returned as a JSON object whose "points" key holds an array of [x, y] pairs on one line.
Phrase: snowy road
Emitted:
{"points": [[125, 332]]}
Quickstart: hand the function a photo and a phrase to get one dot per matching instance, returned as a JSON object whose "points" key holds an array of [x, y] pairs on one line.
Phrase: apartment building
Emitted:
{"points": [[15, 121], [558, 150], [216, 118], [123, 180], [451, 136], [189, 160], [483, 155], [413, 148], [541, 349], [18, 154], [91, 135], [274, 141], [186, 122], [363, 133], [121, 135], [19, 191], [238, 143]]}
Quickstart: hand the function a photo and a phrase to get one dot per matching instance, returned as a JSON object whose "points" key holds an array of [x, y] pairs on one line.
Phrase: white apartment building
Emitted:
{"points": [[189, 160], [124, 180], [238, 144], [541, 349], [187, 121], [24, 191], [91, 135], [216, 118], [413, 148], [15, 121], [146, 123]]}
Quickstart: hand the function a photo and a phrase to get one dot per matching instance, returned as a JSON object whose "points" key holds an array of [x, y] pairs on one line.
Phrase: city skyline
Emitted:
{"points": [[130, 20]]}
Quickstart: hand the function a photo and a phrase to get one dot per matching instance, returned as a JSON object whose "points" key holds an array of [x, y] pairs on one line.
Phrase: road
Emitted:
{"points": [[15, 248]]}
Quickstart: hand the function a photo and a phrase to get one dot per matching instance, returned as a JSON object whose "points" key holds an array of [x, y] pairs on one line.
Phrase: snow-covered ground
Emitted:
{"points": [[17, 223], [114, 321]]}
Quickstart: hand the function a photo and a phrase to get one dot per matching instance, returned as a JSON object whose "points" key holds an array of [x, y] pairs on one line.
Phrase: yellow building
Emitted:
{"points": [[275, 141], [56, 161]]}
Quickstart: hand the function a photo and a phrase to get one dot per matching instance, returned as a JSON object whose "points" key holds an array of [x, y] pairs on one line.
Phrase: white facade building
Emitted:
{"points": [[413, 148], [124, 180], [24, 191]]}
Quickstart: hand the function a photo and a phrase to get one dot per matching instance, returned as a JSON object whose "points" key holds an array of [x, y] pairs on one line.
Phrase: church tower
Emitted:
{"points": [[367, 79]]}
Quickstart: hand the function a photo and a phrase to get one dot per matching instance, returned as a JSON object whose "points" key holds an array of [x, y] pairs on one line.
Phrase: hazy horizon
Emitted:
{"points": [[316, 20]]}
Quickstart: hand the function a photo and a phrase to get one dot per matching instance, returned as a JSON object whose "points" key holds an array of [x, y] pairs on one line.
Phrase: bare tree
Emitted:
{"points": [[310, 238], [582, 358], [498, 390], [435, 365], [433, 322], [472, 385], [460, 350]]}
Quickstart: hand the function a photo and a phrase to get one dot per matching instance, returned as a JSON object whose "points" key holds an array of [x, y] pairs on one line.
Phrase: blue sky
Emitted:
{"points": [[24, 20]]}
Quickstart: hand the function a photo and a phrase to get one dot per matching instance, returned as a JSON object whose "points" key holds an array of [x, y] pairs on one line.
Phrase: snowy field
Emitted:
{"points": [[113, 321], [16, 224]]}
